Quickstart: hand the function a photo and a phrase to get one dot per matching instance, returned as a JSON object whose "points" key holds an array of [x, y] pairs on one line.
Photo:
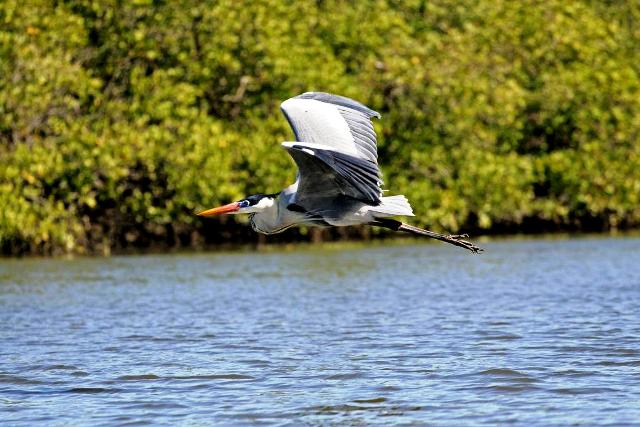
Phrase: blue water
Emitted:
{"points": [[531, 332]]}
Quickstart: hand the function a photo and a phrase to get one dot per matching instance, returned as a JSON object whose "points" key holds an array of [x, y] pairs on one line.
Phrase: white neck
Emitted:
{"points": [[268, 220]]}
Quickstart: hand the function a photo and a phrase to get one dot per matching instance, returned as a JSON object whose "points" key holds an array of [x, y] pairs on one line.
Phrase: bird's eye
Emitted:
{"points": [[244, 203]]}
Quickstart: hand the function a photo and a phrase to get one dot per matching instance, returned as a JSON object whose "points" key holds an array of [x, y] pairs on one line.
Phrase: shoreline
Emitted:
{"points": [[283, 245]]}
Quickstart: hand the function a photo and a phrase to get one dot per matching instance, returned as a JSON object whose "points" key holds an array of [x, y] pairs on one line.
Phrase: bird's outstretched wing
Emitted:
{"points": [[336, 147], [324, 172]]}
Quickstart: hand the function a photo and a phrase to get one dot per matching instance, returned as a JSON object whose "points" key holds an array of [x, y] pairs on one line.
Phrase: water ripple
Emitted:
{"points": [[530, 333]]}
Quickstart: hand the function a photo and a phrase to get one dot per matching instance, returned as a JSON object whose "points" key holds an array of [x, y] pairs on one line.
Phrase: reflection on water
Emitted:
{"points": [[541, 332]]}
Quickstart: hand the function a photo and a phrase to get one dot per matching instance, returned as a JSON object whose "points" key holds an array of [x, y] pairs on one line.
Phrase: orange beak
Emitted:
{"points": [[231, 207]]}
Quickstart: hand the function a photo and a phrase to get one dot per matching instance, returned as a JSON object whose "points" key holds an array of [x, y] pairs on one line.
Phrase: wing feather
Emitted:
{"points": [[336, 152], [345, 124], [362, 133], [343, 101], [325, 173]]}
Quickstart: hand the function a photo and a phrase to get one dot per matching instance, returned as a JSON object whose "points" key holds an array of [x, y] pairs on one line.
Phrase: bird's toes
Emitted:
{"points": [[457, 239], [470, 246], [475, 249], [458, 236]]}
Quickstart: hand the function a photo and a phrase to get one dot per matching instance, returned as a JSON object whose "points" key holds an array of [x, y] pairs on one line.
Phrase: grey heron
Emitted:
{"points": [[339, 182]]}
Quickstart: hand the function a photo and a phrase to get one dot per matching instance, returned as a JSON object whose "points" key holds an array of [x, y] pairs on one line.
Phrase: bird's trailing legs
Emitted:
{"points": [[454, 239]]}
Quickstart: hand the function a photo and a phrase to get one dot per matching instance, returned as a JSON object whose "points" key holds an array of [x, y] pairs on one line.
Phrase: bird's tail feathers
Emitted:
{"points": [[392, 206]]}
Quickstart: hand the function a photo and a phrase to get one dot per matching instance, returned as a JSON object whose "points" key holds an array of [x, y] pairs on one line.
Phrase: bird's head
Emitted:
{"points": [[250, 204]]}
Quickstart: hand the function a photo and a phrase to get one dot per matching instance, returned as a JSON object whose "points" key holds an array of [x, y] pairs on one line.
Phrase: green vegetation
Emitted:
{"points": [[118, 119]]}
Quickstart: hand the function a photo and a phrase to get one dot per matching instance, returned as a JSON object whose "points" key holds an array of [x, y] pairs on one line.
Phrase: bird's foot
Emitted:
{"points": [[457, 240], [458, 236]]}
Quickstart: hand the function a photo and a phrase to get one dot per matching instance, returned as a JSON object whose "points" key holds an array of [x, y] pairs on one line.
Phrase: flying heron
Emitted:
{"points": [[338, 181]]}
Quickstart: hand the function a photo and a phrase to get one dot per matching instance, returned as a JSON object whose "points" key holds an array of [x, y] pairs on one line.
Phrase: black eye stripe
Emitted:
{"points": [[255, 199]]}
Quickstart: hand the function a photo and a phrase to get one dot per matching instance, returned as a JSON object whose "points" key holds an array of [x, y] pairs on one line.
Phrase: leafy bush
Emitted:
{"points": [[118, 120]]}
